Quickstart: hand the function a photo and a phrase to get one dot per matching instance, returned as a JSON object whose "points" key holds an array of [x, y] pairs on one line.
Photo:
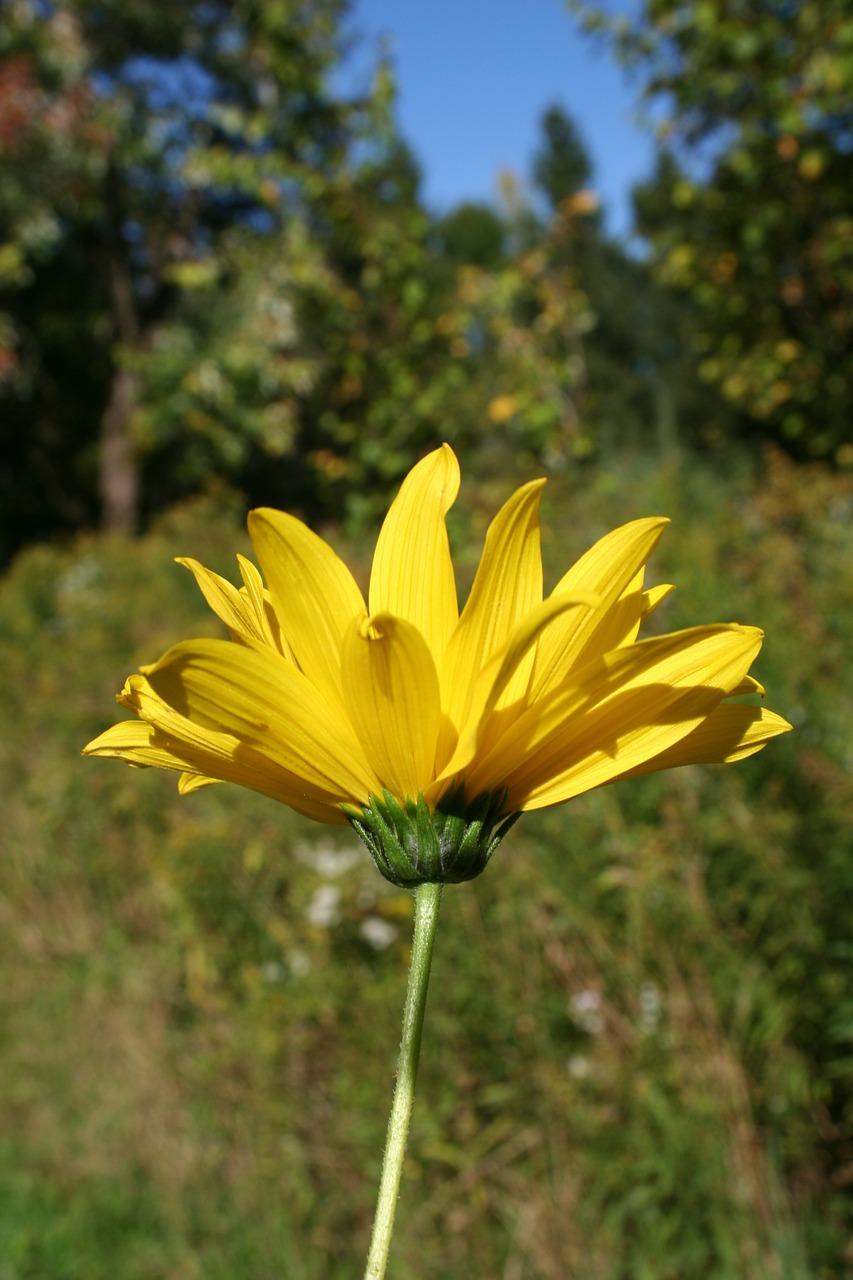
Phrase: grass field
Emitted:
{"points": [[639, 1045]]}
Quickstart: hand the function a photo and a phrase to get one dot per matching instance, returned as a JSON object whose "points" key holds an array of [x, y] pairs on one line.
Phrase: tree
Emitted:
{"points": [[561, 166], [638, 378], [753, 214], [472, 233], [147, 149], [214, 265]]}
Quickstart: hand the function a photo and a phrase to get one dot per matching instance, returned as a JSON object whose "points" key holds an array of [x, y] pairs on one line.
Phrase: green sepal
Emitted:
{"points": [[412, 844]]}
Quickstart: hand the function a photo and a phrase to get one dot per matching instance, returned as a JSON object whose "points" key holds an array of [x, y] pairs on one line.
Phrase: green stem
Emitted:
{"points": [[427, 902]]}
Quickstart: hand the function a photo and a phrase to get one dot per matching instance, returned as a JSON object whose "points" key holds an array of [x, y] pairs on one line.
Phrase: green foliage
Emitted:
{"points": [[634, 373], [562, 165], [638, 1045], [473, 235], [159, 161], [213, 265], [754, 222]]}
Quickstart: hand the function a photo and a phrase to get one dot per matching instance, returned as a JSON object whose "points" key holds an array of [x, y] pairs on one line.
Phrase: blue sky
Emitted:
{"points": [[474, 77]]}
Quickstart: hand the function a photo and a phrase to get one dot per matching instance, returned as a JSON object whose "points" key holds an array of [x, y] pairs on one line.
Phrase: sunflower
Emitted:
{"points": [[428, 729]]}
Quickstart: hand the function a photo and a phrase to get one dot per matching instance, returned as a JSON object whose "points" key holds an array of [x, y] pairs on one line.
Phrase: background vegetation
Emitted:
{"points": [[218, 286]]}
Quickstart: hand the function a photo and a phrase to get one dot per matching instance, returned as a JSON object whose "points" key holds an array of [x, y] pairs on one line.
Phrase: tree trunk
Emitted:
{"points": [[118, 466], [118, 469]]}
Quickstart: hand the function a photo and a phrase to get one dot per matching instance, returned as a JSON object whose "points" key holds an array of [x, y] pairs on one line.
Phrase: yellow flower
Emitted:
{"points": [[402, 710]]}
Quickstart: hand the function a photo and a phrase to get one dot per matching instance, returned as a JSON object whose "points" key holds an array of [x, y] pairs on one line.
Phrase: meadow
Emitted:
{"points": [[639, 1042]]}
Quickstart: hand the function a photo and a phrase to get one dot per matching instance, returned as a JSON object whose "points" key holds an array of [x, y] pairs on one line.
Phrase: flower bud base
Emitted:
{"points": [[412, 844]]}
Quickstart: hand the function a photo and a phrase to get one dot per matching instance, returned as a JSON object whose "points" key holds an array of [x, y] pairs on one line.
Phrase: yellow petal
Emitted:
{"points": [[204, 757], [412, 575], [313, 592], [624, 709], [133, 742], [656, 596], [224, 599], [507, 586], [731, 732], [618, 622], [496, 680], [613, 569], [254, 697], [610, 563], [189, 782], [260, 603], [622, 622], [749, 685], [393, 700]]}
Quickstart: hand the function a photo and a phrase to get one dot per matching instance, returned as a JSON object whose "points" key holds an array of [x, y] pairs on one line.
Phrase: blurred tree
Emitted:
{"points": [[211, 264], [751, 213], [639, 380], [561, 166], [157, 159], [474, 234]]}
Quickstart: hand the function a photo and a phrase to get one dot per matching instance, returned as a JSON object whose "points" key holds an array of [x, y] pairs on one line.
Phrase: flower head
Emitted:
{"points": [[428, 729]]}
